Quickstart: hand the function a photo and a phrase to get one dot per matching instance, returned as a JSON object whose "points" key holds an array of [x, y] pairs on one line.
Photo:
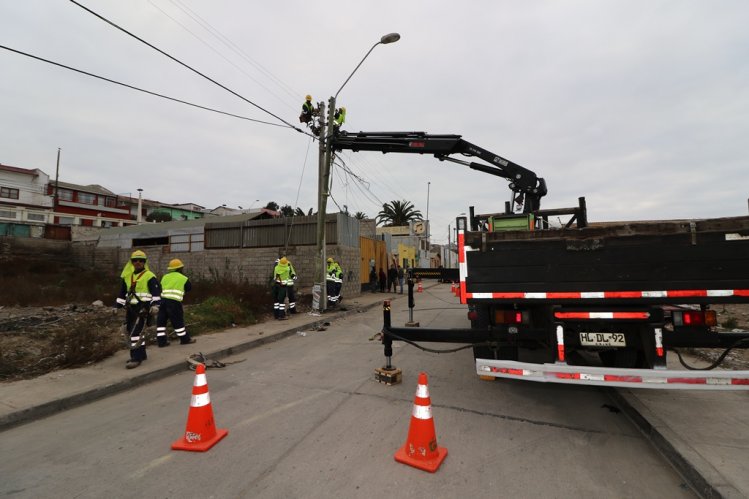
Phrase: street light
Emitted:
{"points": [[324, 180]]}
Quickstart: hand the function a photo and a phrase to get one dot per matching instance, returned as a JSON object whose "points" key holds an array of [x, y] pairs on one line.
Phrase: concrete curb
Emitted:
{"points": [[55, 406], [704, 478]]}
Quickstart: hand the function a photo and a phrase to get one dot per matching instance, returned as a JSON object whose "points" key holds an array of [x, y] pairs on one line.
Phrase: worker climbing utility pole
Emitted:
{"points": [[326, 154]]}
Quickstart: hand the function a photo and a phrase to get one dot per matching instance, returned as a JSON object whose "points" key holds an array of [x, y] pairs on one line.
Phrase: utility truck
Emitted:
{"points": [[581, 303]]}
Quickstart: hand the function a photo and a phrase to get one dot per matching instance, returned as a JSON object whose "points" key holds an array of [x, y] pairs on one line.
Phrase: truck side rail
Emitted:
{"points": [[615, 377]]}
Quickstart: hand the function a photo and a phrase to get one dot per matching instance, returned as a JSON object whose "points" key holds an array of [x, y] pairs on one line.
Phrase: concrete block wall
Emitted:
{"points": [[251, 265]]}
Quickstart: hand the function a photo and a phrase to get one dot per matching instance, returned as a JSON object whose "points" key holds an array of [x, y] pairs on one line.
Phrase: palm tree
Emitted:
{"points": [[360, 215], [398, 213]]}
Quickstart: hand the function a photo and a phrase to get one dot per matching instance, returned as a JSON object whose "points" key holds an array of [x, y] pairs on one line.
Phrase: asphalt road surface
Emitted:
{"points": [[306, 419]]}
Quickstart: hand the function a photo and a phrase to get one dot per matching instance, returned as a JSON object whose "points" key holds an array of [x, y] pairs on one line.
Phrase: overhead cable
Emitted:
{"points": [[186, 66], [137, 88]]}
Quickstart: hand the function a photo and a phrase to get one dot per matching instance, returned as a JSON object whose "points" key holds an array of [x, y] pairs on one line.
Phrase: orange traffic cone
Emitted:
{"points": [[420, 288], [200, 434], [420, 449]]}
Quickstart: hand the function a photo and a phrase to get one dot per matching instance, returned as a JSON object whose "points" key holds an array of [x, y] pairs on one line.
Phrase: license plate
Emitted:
{"points": [[602, 339]]}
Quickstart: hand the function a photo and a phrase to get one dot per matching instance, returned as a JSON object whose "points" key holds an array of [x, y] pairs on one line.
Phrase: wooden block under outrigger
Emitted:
{"points": [[391, 376]]}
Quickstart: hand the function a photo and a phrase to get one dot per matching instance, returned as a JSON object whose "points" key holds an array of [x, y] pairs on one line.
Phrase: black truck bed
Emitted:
{"points": [[669, 255]]}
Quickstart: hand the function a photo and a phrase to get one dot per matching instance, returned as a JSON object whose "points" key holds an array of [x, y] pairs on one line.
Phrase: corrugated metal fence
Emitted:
{"points": [[292, 231]]}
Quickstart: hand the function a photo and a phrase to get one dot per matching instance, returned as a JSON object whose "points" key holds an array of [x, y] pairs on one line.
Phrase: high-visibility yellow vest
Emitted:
{"points": [[173, 286], [141, 291]]}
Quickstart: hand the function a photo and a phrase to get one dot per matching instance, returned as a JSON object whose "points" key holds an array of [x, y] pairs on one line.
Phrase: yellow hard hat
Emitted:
{"points": [[283, 261], [330, 260], [138, 255], [309, 97], [175, 264], [343, 109]]}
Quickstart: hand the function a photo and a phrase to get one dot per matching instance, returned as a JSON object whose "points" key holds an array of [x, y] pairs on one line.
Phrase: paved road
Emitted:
{"points": [[305, 419]]}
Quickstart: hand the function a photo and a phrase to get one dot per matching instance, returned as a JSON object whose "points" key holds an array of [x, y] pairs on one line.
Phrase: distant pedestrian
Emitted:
{"points": [[383, 280], [392, 278], [140, 292], [174, 286], [400, 278], [373, 280]]}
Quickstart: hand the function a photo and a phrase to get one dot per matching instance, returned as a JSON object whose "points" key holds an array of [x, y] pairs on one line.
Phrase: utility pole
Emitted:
{"points": [[139, 218], [56, 199], [322, 176], [326, 155]]}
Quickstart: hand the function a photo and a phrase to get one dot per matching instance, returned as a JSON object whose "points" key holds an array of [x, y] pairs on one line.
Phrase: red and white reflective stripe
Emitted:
{"points": [[599, 376], [602, 315], [422, 403], [560, 343], [565, 295], [422, 391], [659, 341], [200, 396], [462, 266], [422, 411]]}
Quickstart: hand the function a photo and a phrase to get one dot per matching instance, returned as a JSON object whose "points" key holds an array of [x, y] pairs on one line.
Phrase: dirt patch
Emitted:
{"points": [[34, 340]]}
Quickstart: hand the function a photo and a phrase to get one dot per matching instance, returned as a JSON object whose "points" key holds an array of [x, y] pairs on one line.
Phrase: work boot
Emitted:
{"points": [[132, 364], [163, 344], [188, 341]]}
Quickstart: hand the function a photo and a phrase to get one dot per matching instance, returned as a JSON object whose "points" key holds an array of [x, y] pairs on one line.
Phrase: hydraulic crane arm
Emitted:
{"points": [[527, 188]]}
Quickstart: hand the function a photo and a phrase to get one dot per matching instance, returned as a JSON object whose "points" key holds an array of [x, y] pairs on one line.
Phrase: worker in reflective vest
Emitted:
{"points": [[281, 279], [174, 286], [333, 282], [140, 292]]}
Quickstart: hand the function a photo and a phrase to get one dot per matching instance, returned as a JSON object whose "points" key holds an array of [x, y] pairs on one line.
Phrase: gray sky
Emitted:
{"points": [[640, 106]]}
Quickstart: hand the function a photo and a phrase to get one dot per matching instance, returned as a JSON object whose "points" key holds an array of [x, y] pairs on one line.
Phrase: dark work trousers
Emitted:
{"points": [[279, 296], [135, 323], [292, 299], [171, 310], [330, 289]]}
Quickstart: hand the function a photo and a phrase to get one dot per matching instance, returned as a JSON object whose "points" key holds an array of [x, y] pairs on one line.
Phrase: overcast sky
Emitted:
{"points": [[640, 106]]}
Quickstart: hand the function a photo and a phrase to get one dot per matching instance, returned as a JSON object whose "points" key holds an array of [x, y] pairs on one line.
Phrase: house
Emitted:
{"points": [[88, 205], [24, 205]]}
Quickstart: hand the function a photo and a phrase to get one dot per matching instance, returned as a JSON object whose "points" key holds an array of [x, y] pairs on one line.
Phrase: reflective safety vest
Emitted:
{"points": [[282, 275], [173, 286], [334, 272], [137, 286], [340, 117], [307, 107]]}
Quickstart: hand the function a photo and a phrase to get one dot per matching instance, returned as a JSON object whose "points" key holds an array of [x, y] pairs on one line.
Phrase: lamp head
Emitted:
{"points": [[390, 38]]}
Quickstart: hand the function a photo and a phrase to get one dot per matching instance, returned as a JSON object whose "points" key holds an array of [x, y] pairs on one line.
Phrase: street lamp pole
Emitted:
{"points": [[326, 134]]}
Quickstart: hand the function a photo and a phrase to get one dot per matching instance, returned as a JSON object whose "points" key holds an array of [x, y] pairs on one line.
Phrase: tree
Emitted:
{"points": [[398, 213], [272, 205], [159, 216], [360, 215], [287, 211]]}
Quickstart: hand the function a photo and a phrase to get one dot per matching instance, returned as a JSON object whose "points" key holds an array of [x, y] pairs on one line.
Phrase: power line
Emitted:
{"points": [[137, 88], [234, 47], [216, 51], [186, 65]]}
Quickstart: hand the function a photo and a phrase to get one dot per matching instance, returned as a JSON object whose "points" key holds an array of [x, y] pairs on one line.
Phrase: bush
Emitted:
{"points": [[217, 312]]}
